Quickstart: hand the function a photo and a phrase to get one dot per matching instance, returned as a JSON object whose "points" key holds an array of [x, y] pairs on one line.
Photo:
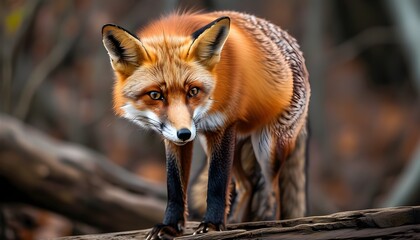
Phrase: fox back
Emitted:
{"points": [[238, 82]]}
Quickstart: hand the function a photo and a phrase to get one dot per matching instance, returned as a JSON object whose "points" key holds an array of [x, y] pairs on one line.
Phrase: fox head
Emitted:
{"points": [[165, 83]]}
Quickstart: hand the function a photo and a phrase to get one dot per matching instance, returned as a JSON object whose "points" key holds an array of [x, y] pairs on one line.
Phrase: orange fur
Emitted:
{"points": [[241, 83], [244, 91]]}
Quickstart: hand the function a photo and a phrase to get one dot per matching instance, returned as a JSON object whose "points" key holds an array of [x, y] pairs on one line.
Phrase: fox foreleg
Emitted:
{"points": [[178, 163], [220, 146]]}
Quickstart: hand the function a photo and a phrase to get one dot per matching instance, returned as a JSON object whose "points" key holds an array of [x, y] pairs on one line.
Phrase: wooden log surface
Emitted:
{"points": [[385, 223]]}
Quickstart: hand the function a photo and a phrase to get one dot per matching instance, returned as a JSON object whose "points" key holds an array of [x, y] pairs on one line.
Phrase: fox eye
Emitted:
{"points": [[155, 95], [193, 91]]}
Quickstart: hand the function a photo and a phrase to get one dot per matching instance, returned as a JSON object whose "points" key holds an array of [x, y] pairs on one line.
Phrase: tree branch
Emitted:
{"points": [[406, 15], [366, 39], [51, 62], [10, 52]]}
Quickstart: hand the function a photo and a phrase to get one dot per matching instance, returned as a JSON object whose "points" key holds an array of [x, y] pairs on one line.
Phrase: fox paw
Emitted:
{"points": [[205, 227], [164, 232]]}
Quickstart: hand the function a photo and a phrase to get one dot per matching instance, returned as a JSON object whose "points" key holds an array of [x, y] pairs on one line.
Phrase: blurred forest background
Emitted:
{"points": [[364, 63]]}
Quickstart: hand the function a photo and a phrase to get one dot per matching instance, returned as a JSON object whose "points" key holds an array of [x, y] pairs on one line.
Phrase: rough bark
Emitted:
{"points": [[386, 223]]}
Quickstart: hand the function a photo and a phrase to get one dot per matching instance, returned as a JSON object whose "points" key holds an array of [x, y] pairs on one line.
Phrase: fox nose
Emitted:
{"points": [[183, 134]]}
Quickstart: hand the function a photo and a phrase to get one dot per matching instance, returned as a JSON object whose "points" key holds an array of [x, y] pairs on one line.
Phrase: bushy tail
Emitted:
{"points": [[292, 184], [293, 180], [198, 193]]}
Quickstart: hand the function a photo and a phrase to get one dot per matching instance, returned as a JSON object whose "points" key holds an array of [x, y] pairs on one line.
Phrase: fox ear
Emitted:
{"points": [[125, 50], [208, 41]]}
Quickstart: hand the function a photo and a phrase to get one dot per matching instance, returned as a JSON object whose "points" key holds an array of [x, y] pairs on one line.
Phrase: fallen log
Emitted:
{"points": [[73, 181], [385, 223]]}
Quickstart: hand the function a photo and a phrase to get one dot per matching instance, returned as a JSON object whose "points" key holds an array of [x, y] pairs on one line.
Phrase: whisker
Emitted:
{"points": [[149, 122], [212, 99]]}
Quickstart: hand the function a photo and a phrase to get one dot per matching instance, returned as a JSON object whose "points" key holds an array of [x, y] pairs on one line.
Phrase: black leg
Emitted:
{"points": [[178, 161], [221, 152]]}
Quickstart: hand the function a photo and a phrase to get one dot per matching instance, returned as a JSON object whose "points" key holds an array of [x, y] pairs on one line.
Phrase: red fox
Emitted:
{"points": [[237, 82]]}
